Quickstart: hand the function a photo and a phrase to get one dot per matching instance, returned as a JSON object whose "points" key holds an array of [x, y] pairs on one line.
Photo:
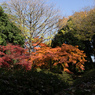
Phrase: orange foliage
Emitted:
{"points": [[49, 57]]}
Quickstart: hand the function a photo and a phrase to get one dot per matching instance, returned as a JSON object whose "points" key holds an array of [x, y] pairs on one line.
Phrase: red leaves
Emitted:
{"points": [[44, 56], [1, 60], [1, 53], [11, 52]]}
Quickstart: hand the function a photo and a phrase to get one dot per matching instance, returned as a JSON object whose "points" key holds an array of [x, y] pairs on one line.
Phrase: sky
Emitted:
{"points": [[68, 7]]}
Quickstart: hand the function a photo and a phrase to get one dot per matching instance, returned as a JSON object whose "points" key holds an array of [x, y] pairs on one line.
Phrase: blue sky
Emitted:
{"points": [[68, 7]]}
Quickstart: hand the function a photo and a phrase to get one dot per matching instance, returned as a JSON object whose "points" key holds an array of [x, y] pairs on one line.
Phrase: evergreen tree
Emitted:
{"points": [[9, 33]]}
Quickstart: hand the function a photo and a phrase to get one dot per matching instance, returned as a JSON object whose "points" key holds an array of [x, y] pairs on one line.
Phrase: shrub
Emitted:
{"points": [[13, 56], [30, 82]]}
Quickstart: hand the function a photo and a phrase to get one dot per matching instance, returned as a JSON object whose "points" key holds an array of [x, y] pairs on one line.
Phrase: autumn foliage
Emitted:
{"points": [[47, 57], [43, 57], [13, 55]]}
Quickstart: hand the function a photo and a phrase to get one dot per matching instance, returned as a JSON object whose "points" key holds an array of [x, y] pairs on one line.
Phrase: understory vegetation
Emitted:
{"points": [[40, 82]]}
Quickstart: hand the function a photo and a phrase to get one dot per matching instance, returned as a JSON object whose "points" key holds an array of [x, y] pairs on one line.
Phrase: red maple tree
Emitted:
{"points": [[12, 55]]}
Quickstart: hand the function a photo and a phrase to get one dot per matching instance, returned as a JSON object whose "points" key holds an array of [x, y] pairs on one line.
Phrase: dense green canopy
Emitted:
{"points": [[9, 33]]}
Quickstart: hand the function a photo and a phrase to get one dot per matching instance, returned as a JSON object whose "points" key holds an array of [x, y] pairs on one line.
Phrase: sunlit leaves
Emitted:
{"points": [[43, 57], [66, 54]]}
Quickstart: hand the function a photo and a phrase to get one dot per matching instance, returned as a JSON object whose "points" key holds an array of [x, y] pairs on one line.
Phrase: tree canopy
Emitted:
{"points": [[9, 33], [78, 30]]}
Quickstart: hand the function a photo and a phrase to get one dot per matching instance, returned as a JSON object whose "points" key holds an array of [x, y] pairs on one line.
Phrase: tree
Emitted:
{"points": [[13, 56], [9, 33], [67, 38], [62, 22], [81, 24], [78, 30], [35, 18], [70, 58]]}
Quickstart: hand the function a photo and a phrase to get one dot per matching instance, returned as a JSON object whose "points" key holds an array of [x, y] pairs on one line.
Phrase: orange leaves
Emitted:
{"points": [[81, 67], [42, 45], [45, 57], [64, 55], [55, 63], [68, 71], [34, 44], [66, 65], [36, 48], [74, 61], [76, 46]]}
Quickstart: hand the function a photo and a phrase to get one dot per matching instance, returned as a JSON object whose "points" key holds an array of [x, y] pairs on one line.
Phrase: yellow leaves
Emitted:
{"points": [[84, 60], [48, 37], [63, 44], [84, 55], [63, 31]]}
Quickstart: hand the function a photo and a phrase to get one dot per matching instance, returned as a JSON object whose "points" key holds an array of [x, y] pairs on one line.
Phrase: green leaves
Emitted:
{"points": [[1, 40], [9, 32], [1, 10]]}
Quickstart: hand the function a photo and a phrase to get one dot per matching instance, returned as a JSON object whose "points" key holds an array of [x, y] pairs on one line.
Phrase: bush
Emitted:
{"points": [[30, 82], [12, 56]]}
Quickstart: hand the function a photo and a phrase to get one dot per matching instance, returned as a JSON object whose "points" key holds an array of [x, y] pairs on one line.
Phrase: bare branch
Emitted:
{"points": [[36, 16]]}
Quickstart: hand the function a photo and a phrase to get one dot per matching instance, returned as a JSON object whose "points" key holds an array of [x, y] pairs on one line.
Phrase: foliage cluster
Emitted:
{"points": [[9, 33], [66, 57], [78, 30], [12, 56]]}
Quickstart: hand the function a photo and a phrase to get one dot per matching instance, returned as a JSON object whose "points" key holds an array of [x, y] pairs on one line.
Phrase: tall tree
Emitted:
{"points": [[78, 30], [35, 18], [9, 33]]}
